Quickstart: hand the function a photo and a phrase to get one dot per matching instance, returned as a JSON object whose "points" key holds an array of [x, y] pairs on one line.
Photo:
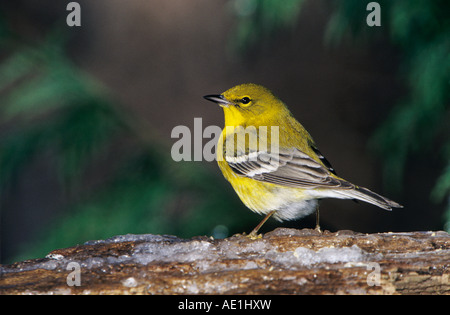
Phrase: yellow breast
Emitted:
{"points": [[258, 196]]}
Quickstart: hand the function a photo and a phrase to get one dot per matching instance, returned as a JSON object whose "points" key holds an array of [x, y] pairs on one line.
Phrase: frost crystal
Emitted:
{"points": [[206, 255]]}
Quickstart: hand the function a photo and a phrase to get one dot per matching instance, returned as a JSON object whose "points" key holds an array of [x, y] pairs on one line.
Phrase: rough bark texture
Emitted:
{"points": [[285, 261]]}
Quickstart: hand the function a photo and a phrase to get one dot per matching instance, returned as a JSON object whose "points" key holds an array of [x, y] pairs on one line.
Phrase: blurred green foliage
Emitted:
{"points": [[48, 104], [421, 31], [259, 20], [49, 107], [420, 122]]}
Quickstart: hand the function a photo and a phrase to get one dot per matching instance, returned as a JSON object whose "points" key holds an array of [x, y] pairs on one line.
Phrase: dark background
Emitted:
{"points": [[155, 60]]}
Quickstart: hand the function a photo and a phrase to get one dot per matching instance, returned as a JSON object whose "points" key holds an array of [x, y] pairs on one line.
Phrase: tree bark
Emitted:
{"points": [[284, 261]]}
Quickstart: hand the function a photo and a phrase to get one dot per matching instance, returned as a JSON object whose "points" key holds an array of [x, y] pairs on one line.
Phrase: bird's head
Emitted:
{"points": [[248, 104]]}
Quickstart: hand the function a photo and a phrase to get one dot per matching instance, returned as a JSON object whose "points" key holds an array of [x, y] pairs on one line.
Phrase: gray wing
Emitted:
{"points": [[296, 169], [291, 168]]}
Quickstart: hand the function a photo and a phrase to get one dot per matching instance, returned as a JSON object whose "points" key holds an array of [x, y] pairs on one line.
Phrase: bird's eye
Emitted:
{"points": [[245, 100]]}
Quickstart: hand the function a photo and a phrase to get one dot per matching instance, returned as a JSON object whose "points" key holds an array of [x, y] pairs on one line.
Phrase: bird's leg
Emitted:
{"points": [[317, 220], [254, 233]]}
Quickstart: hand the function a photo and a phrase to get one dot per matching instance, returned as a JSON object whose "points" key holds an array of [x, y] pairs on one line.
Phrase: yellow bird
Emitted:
{"points": [[273, 163]]}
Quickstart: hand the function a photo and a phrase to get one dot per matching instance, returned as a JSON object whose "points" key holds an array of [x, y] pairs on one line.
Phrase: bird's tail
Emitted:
{"points": [[364, 194]]}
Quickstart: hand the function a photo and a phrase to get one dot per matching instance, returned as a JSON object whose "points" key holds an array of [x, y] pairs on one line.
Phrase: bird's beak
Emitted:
{"points": [[219, 99]]}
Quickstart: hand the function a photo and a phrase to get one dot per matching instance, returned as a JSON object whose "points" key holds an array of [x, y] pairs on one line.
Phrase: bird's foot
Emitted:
{"points": [[254, 236], [318, 229]]}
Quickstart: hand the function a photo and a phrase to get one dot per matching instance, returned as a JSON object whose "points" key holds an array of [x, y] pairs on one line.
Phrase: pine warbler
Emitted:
{"points": [[276, 168]]}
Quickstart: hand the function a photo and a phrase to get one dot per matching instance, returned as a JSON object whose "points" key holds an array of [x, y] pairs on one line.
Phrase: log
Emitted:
{"points": [[284, 261]]}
